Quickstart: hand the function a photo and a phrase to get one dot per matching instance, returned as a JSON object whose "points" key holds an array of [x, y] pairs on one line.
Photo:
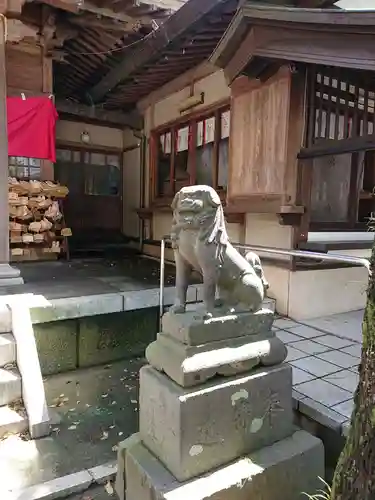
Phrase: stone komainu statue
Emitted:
{"points": [[200, 242]]}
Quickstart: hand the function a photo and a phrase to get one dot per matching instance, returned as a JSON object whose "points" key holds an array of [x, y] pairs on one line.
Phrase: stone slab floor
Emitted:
{"points": [[89, 276], [99, 406], [324, 354], [94, 493]]}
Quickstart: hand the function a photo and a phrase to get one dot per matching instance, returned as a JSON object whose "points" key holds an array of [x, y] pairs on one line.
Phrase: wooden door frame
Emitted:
{"points": [[108, 151]]}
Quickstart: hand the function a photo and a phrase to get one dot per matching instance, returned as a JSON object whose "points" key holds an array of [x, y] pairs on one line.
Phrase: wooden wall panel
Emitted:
{"points": [[259, 137], [24, 69], [29, 71]]}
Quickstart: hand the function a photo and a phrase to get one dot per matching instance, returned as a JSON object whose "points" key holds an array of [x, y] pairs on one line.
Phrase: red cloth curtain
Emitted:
{"points": [[31, 127]]}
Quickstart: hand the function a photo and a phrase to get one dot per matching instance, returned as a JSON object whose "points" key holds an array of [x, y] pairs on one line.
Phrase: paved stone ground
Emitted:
{"points": [[325, 354], [94, 493], [90, 276], [98, 408]]}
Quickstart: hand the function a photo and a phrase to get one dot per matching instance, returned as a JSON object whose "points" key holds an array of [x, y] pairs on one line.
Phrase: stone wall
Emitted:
{"points": [[94, 340]]}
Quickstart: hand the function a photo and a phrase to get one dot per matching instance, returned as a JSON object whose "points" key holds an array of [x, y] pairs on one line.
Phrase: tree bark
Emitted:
{"points": [[354, 478]]}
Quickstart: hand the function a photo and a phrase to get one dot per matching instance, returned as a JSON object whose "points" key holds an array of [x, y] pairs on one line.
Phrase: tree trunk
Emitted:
{"points": [[354, 477]]}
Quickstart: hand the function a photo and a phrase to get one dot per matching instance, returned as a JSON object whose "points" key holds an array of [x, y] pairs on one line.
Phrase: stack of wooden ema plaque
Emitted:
{"points": [[36, 224]]}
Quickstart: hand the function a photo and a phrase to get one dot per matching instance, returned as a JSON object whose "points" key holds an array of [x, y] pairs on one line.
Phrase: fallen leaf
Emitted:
{"points": [[111, 426], [114, 403], [104, 395], [120, 433], [72, 428], [104, 436], [133, 401]]}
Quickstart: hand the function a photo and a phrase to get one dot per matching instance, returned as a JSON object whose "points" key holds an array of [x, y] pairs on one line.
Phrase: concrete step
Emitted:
{"points": [[7, 349], [10, 386], [11, 421]]}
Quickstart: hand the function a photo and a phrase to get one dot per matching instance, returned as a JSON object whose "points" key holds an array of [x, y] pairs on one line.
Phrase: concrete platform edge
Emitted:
{"points": [[44, 310], [65, 485]]}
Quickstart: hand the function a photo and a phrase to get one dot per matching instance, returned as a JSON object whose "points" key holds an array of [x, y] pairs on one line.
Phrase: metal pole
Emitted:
{"points": [[357, 261], [308, 255], [161, 292], [332, 257]]}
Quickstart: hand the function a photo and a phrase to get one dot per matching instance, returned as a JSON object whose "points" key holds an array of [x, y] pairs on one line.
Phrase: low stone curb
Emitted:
{"points": [[320, 413], [44, 310], [63, 486]]}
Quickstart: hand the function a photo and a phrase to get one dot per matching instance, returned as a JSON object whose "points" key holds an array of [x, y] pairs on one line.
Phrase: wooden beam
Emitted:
{"points": [[132, 120], [117, 16], [66, 5], [193, 75], [240, 59], [171, 5], [338, 146], [105, 24], [11, 7], [168, 32], [325, 47], [17, 31], [294, 15]]}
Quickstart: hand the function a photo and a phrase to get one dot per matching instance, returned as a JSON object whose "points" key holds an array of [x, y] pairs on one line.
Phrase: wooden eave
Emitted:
{"points": [[190, 13], [325, 36], [180, 23]]}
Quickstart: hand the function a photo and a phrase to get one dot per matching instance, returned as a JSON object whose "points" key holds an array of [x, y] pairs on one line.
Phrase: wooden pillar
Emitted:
{"points": [[47, 170], [4, 209], [8, 275]]}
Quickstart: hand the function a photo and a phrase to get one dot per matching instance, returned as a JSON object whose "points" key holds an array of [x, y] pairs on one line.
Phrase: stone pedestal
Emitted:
{"points": [[216, 418]]}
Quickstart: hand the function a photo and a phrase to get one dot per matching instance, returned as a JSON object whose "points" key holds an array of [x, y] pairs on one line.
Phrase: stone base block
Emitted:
{"points": [[193, 365], [284, 471], [10, 275], [194, 430], [192, 328]]}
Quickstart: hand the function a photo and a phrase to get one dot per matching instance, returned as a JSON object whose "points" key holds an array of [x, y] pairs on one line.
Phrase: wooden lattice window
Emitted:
{"points": [[341, 104], [24, 168]]}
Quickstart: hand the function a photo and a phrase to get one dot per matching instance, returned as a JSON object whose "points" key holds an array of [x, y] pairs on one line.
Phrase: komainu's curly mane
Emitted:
{"points": [[199, 208]]}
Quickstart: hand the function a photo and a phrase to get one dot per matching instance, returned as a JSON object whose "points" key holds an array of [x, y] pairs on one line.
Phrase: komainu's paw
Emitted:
{"points": [[178, 309]]}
